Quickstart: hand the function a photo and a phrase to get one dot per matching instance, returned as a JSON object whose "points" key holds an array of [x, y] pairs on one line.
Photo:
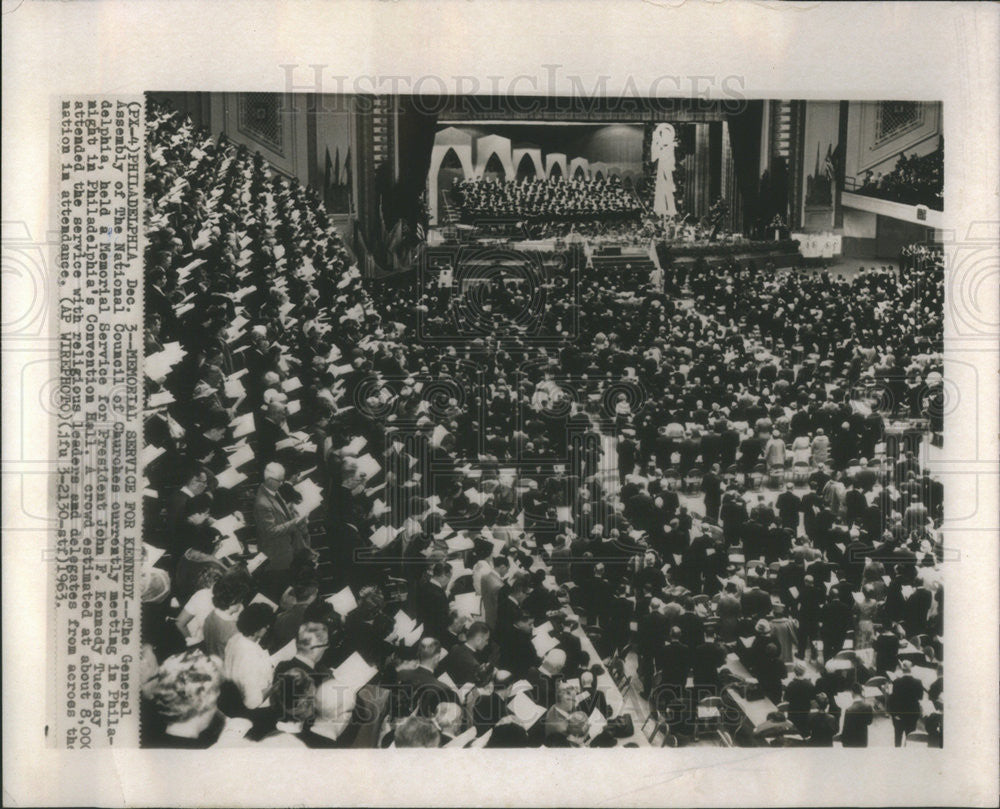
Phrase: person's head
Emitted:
{"points": [[185, 689], [577, 725], [554, 662], [441, 573], [588, 680], [198, 509], [501, 564], [477, 636], [800, 669], [857, 690], [821, 701], [255, 620], [207, 577], [294, 697], [906, 666], [312, 641], [428, 652], [415, 731], [523, 621], [274, 476], [215, 426], [197, 480], [566, 695], [448, 718], [334, 703], [229, 593]]}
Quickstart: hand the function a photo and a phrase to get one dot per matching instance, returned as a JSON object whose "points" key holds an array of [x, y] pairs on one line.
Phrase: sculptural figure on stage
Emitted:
{"points": [[662, 152]]}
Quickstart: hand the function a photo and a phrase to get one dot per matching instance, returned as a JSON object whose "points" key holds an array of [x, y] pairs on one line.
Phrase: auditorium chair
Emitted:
{"points": [[725, 739], [616, 670], [692, 480], [709, 716], [800, 474], [881, 684], [775, 477]]}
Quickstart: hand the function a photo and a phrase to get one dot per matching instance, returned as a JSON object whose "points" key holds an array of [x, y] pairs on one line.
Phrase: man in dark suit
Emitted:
{"points": [[810, 604], [857, 718], [904, 702], [886, 645], [431, 601], [855, 504], [788, 504], [281, 533], [837, 618], [651, 635], [917, 608], [674, 661], [195, 484], [711, 487], [517, 652], [310, 645], [545, 678], [418, 688], [706, 659], [627, 454], [799, 694], [462, 663]]}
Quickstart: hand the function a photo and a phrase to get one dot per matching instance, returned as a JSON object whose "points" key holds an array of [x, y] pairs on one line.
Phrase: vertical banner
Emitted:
{"points": [[95, 580]]}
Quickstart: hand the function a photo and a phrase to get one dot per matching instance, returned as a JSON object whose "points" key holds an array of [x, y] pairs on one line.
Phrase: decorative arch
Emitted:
{"points": [[526, 169], [579, 166], [556, 159], [488, 146], [495, 169], [448, 140], [532, 153]]}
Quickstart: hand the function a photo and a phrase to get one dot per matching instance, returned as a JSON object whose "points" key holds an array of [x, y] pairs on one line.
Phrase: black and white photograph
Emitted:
{"points": [[502, 422], [464, 403]]}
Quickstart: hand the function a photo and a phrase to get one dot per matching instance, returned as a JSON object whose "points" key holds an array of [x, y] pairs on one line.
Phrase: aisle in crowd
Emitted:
{"points": [[369, 524]]}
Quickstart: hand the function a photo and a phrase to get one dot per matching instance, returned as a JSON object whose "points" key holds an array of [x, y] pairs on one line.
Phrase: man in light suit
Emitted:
{"points": [[280, 532], [491, 587]]}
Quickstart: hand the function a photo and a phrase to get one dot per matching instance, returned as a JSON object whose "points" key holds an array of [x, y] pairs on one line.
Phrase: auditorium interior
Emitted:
{"points": [[549, 422]]}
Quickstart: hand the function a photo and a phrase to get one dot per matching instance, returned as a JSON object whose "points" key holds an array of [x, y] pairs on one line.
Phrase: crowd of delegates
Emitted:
{"points": [[387, 513], [921, 256], [914, 180], [551, 199]]}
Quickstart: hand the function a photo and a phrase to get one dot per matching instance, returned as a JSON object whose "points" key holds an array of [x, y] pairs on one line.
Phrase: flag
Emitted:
{"points": [[327, 178], [347, 194], [336, 167], [829, 167]]}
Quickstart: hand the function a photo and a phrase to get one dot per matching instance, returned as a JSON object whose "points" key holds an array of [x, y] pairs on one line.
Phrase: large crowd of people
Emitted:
{"points": [[468, 512], [552, 199], [914, 180]]}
